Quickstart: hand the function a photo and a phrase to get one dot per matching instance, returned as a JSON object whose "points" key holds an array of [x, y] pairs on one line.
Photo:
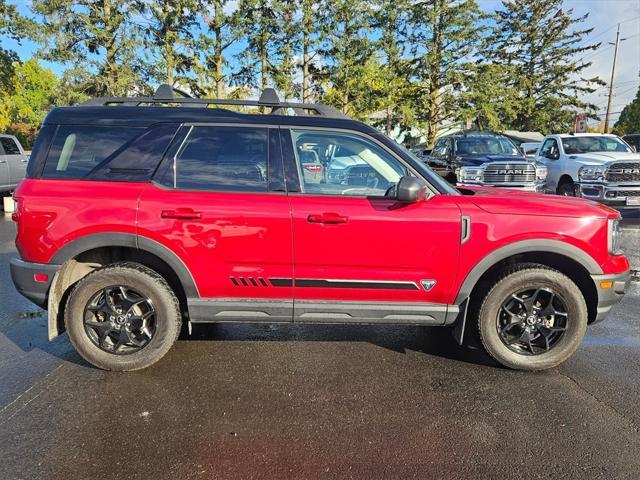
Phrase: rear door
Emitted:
{"points": [[16, 159], [219, 203], [359, 254]]}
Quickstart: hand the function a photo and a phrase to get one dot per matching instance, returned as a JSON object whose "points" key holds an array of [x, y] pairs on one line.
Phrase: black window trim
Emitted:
{"points": [[169, 161], [290, 156]]}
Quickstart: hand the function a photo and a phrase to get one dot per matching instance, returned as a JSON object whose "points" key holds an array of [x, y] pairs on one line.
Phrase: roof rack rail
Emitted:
{"points": [[268, 99]]}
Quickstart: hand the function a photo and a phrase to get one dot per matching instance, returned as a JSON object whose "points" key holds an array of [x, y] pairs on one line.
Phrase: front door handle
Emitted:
{"points": [[330, 218], [181, 214]]}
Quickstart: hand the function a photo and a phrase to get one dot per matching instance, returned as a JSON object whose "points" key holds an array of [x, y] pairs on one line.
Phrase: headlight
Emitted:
{"points": [[541, 172], [470, 174], [591, 174], [615, 236]]}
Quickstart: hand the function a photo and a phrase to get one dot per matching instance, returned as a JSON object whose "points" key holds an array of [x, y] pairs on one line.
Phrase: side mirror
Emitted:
{"points": [[410, 190]]}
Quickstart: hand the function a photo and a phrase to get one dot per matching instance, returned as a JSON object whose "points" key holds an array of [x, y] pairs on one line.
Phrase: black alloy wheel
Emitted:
{"points": [[532, 321], [119, 320]]}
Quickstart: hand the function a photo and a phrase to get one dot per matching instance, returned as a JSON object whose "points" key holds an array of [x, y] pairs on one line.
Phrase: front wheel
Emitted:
{"points": [[122, 317], [567, 189], [533, 318]]}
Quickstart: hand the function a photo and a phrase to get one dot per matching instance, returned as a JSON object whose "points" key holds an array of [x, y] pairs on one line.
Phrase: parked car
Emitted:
{"points": [[633, 140], [530, 149], [593, 166], [486, 159], [134, 219], [13, 163]]}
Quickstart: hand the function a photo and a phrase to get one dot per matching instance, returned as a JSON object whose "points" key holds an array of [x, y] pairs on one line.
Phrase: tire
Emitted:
{"points": [[155, 309], [564, 332], [567, 189]]}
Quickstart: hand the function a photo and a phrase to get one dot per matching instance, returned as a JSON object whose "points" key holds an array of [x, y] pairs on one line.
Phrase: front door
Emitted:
{"points": [[4, 170], [219, 203], [359, 254], [16, 160]]}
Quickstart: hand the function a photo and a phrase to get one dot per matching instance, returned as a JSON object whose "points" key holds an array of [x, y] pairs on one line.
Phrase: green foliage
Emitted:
{"points": [[34, 92], [540, 47], [629, 120]]}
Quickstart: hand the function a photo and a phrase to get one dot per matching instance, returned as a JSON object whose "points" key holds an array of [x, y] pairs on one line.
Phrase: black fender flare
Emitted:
{"points": [[118, 239], [526, 246]]}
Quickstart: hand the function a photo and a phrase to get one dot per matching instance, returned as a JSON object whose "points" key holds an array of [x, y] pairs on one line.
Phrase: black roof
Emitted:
{"points": [[146, 116]]}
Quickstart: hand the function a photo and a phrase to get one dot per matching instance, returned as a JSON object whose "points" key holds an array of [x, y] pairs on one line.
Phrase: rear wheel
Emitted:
{"points": [[533, 318], [122, 317]]}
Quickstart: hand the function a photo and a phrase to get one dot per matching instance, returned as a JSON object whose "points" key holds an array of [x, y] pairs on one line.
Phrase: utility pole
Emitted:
{"points": [[613, 73]]}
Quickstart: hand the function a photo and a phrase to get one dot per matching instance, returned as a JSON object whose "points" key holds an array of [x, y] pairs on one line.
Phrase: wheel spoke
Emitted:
{"points": [[132, 338]]}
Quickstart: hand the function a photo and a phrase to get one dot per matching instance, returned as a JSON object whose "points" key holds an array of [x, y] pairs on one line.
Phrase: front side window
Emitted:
{"points": [[77, 150], [222, 159], [592, 144], [550, 149], [9, 146], [336, 163], [441, 149]]}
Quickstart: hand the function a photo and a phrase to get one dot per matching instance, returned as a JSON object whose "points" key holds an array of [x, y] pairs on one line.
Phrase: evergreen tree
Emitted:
{"points": [[287, 41], [629, 120], [541, 47], [169, 32], [313, 30], [223, 31], [93, 35], [444, 37], [260, 23], [347, 50]]}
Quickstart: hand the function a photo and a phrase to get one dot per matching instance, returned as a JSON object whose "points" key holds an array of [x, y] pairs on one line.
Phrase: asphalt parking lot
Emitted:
{"points": [[317, 402]]}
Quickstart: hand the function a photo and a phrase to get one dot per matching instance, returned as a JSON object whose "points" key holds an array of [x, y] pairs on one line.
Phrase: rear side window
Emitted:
{"points": [[222, 159], [78, 150], [9, 146]]}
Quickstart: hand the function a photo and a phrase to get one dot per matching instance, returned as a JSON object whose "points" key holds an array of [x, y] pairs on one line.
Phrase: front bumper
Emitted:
{"points": [[527, 187], [33, 280], [612, 195], [608, 297]]}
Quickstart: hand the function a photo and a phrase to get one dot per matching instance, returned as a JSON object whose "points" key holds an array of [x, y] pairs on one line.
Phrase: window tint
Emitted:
{"points": [[222, 159], [9, 146], [333, 163], [76, 150]]}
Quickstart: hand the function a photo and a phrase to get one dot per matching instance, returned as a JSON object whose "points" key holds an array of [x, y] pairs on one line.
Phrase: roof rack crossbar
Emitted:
{"points": [[269, 98]]}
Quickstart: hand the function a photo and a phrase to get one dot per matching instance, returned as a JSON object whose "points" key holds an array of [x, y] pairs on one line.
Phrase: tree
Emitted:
{"points": [[260, 28], [169, 32], [13, 26], [286, 43], [223, 30], [444, 37], [313, 30], [34, 93], [541, 47], [629, 120], [92, 35], [346, 53]]}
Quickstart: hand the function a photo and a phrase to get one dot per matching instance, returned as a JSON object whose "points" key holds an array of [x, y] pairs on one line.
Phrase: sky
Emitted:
{"points": [[604, 16]]}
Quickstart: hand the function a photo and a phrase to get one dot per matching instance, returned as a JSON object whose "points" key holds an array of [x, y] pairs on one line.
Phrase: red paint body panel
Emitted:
{"points": [[238, 234], [53, 213], [382, 240]]}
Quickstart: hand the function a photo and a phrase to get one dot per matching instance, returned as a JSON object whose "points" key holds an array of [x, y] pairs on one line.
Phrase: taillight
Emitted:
{"points": [[15, 214]]}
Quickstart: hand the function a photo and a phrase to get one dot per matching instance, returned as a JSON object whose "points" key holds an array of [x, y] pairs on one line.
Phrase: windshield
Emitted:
{"points": [[575, 145], [429, 174], [485, 146]]}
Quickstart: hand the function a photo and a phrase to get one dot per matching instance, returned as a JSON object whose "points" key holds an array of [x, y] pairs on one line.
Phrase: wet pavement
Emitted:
{"points": [[316, 402]]}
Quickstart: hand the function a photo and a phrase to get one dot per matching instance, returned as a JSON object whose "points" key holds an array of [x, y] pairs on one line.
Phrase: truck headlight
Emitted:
{"points": [[615, 236], [591, 174], [470, 174], [541, 172]]}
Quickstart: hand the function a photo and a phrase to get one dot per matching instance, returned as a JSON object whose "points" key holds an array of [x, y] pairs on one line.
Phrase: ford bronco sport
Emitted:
{"points": [[138, 214]]}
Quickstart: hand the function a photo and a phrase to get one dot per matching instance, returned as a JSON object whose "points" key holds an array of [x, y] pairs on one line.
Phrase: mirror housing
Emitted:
{"points": [[410, 190]]}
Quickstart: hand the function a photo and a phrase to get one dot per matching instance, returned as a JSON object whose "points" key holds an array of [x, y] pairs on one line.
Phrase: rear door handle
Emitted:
{"points": [[330, 218], [181, 214]]}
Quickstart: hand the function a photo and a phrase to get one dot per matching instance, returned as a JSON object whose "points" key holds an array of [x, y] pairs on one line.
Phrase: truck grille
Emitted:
{"points": [[498, 173], [624, 172], [627, 193]]}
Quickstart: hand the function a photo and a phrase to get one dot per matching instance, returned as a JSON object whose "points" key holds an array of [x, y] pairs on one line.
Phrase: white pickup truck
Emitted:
{"points": [[13, 163], [594, 166]]}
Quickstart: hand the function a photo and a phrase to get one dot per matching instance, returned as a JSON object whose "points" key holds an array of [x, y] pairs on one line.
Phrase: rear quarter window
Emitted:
{"points": [[77, 150]]}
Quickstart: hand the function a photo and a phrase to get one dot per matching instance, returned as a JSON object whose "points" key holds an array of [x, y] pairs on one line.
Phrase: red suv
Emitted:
{"points": [[139, 214]]}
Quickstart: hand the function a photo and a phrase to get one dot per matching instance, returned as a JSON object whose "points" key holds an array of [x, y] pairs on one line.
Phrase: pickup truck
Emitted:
{"points": [[13, 163], [593, 166]]}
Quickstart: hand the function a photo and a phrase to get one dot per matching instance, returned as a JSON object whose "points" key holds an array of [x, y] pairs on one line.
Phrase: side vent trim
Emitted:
{"points": [[465, 232]]}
